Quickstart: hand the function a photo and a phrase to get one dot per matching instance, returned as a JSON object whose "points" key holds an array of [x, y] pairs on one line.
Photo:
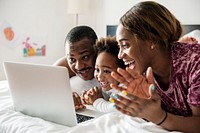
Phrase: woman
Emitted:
{"points": [[163, 76]]}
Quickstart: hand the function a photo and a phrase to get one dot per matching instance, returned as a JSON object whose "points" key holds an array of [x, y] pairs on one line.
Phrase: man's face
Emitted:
{"points": [[81, 58]]}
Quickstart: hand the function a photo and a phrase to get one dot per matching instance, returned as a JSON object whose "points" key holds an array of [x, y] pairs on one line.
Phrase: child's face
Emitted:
{"points": [[105, 64]]}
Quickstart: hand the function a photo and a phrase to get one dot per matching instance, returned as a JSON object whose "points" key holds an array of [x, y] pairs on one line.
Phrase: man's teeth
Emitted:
{"points": [[83, 72]]}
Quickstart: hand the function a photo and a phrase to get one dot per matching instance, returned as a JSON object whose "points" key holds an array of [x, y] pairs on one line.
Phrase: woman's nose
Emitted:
{"points": [[120, 54]]}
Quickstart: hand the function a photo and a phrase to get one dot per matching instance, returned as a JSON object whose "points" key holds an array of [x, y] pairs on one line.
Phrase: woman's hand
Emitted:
{"points": [[88, 97], [141, 99], [149, 109], [77, 102], [133, 82]]}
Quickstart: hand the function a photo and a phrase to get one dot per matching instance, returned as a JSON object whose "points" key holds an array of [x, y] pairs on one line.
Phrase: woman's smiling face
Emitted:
{"points": [[135, 53], [105, 64]]}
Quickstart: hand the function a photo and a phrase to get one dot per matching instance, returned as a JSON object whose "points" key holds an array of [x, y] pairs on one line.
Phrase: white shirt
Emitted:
{"points": [[78, 84], [102, 105]]}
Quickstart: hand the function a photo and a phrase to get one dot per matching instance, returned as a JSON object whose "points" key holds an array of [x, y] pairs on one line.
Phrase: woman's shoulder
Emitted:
{"points": [[180, 50], [186, 57]]}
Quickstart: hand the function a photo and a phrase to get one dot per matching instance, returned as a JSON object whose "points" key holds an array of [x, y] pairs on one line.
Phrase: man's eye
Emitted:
{"points": [[72, 60], [86, 57]]}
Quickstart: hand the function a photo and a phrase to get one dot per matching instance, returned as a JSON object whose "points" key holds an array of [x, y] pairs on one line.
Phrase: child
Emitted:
{"points": [[106, 62]]}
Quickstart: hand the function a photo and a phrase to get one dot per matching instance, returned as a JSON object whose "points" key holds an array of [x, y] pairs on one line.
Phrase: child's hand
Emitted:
{"points": [[91, 95], [77, 102]]}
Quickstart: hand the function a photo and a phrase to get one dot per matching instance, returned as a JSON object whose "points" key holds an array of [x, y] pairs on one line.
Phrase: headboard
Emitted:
{"points": [[111, 29]]}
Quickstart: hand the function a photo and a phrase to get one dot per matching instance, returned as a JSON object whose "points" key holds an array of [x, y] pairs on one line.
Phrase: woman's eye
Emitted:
{"points": [[125, 45]]}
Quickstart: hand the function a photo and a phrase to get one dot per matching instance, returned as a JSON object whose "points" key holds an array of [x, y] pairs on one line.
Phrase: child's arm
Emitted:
{"points": [[103, 105]]}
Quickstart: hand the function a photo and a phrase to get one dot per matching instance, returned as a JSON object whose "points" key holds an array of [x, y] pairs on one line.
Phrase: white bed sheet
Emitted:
{"points": [[15, 122]]}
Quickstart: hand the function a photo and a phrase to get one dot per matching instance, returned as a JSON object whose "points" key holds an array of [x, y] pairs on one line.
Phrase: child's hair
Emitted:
{"points": [[80, 32], [109, 45]]}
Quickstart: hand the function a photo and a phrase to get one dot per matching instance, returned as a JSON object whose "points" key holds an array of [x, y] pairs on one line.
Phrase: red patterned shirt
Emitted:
{"points": [[184, 89]]}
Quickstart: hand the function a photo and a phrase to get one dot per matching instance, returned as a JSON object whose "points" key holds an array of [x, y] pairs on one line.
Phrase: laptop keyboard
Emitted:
{"points": [[82, 118]]}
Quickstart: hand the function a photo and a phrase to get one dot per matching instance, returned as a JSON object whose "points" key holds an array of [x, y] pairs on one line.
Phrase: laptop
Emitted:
{"points": [[43, 91]]}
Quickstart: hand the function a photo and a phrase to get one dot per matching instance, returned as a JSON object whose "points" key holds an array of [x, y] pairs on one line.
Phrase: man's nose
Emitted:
{"points": [[78, 65]]}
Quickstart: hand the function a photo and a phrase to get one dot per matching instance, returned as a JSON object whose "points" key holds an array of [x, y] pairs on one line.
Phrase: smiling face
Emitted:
{"points": [[135, 53], [81, 58], [105, 64]]}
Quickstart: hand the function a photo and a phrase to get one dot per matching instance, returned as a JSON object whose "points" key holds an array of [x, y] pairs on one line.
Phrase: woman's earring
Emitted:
{"points": [[152, 46]]}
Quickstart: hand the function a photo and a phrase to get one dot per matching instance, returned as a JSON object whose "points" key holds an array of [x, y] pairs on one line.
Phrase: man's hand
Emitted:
{"points": [[77, 102]]}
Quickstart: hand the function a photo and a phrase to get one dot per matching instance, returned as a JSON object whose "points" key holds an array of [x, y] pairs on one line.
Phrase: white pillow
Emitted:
{"points": [[195, 34]]}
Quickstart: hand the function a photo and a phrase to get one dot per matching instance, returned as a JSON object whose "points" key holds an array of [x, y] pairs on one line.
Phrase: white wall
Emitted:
{"points": [[50, 18], [47, 18], [187, 11]]}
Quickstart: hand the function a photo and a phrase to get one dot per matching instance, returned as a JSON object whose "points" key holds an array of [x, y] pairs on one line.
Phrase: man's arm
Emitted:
{"points": [[63, 62]]}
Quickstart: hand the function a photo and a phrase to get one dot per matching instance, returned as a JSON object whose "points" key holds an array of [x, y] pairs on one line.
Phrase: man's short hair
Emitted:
{"points": [[80, 32]]}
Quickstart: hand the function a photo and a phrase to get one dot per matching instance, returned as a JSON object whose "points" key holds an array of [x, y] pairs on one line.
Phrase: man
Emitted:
{"points": [[80, 60]]}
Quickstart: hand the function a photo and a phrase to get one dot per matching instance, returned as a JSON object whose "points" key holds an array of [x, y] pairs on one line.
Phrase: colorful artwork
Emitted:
{"points": [[8, 34], [34, 46]]}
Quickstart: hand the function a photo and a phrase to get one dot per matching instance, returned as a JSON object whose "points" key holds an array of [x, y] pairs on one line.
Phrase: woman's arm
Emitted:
{"points": [[139, 103], [184, 124], [63, 62]]}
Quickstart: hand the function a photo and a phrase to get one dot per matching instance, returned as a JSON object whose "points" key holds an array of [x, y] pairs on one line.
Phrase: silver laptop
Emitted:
{"points": [[42, 91]]}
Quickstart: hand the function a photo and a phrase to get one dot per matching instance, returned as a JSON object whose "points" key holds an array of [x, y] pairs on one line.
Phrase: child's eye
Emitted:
{"points": [[96, 69], [107, 71]]}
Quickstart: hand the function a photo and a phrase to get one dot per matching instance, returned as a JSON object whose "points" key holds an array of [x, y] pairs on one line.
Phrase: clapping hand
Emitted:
{"points": [[141, 98], [88, 97]]}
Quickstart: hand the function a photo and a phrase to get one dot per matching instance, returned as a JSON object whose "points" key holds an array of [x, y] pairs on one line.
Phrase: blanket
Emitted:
{"points": [[16, 122]]}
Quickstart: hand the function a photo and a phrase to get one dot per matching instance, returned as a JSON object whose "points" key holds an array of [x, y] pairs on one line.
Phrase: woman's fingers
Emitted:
{"points": [[127, 105], [149, 75], [116, 87], [119, 78], [153, 95], [134, 74]]}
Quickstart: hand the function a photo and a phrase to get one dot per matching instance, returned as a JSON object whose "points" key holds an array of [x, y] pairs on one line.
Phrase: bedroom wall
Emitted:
{"points": [[49, 19], [46, 19]]}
